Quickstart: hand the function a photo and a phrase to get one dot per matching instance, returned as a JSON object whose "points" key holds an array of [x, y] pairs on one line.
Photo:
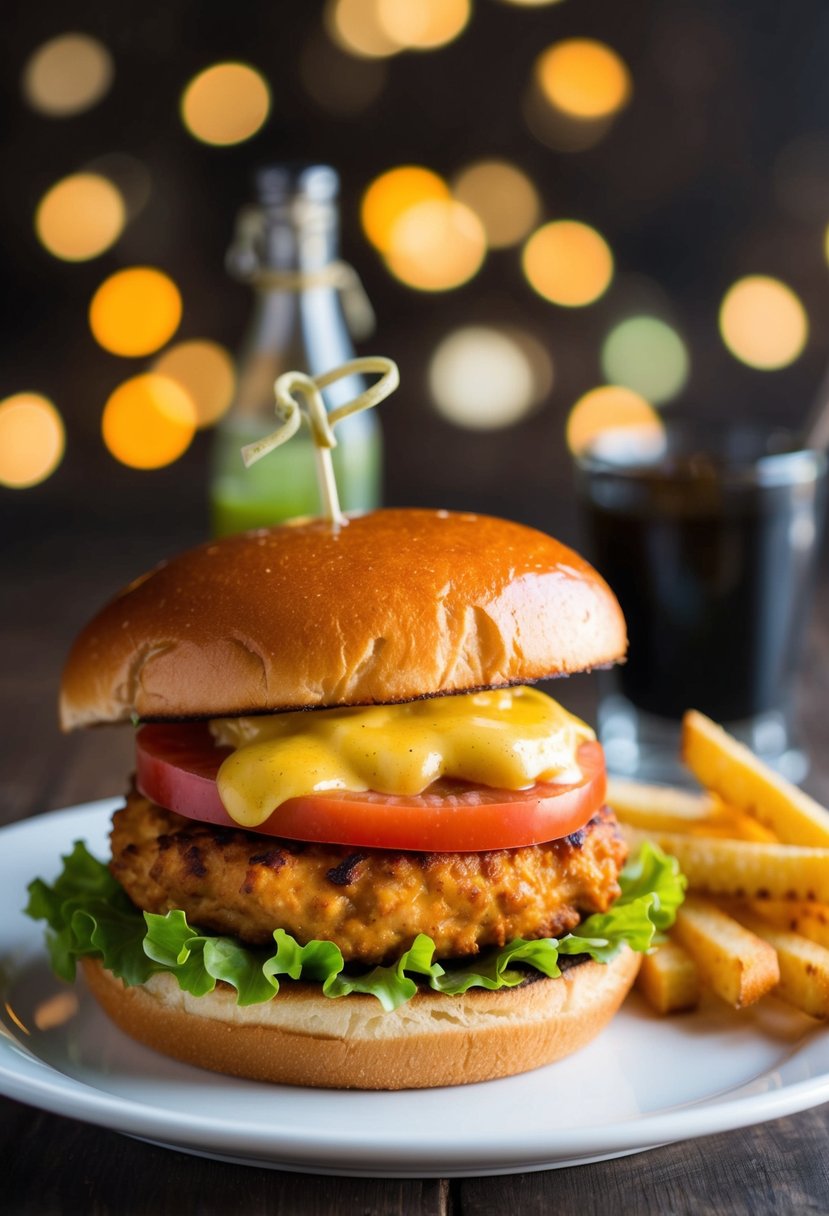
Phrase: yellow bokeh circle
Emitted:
{"points": [[612, 408], [148, 421], [422, 24], [394, 193], [583, 78], [225, 104], [32, 440], [135, 311], [80, 217], [763, 323], [568, 263], [355, 26], [205, 371], [67, 75], [503, 198], [436, 246]]}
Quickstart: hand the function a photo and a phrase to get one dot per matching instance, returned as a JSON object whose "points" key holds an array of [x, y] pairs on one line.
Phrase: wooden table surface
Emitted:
{"points": [[50, 583]]}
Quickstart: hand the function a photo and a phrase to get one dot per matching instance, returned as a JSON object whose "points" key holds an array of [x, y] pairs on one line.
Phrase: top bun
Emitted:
{"points": [[395, 605]]}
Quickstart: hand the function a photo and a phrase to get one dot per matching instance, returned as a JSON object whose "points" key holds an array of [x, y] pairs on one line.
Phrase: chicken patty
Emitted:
{"points": [[372, 903]]}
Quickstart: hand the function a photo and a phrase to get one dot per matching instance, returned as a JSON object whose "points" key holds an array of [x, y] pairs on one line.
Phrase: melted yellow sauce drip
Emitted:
{"points": [[508, 738]]}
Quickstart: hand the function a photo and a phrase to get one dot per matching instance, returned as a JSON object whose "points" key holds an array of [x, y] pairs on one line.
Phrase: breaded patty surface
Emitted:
{"points": [[371, 903]]}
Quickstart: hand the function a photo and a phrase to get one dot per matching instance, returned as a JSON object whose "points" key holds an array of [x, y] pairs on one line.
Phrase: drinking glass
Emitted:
{"points": [[710, 542]]}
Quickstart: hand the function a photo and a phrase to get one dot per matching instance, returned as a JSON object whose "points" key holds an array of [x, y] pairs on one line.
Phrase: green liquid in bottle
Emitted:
{"points": [[284, 484], [286, 248]]}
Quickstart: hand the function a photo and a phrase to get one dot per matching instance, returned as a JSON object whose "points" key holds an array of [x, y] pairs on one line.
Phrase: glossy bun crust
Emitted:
{"points": [[395, 605], [304, 1038]]}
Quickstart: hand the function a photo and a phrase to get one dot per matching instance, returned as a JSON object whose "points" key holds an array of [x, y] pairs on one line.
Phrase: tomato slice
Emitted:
{"points": [[176, 767]]}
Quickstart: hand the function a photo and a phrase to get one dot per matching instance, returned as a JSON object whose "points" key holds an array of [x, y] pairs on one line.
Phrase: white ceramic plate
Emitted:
{"points": [[645, 1081]]}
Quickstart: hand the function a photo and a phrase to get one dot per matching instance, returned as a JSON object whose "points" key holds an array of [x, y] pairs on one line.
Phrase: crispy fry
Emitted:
{"points": [[668, 979], [809, 920], [804, 965], [729, 769], [739, 966], [735, 825], [661, 808], [744, 869], [636, 798]]}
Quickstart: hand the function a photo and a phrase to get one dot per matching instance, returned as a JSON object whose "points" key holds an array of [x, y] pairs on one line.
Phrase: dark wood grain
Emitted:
{"points": [[61, 1167], [775, 1167], [56, 1167]]}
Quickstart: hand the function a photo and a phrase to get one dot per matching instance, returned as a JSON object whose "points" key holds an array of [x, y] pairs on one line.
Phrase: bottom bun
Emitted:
{"points": [[304, 1038]]}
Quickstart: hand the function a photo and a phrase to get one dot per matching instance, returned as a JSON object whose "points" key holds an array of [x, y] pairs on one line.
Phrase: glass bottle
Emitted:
{"points": [[286, 247]]}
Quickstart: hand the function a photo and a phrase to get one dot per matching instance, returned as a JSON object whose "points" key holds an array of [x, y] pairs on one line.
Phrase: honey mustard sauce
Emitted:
{"points": [[506, 738]]}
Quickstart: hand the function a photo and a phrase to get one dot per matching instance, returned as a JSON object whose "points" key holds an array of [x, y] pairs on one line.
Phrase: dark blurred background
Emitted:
{"points": [[688, 140]]}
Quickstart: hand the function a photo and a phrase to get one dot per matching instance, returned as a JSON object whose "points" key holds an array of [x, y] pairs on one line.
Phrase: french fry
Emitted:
{"points": [[744, 869], [728, 768], [809, 920], [637, 798], [804, 965], [668, 979], [661, 808], [735, 825], [739, 965]]}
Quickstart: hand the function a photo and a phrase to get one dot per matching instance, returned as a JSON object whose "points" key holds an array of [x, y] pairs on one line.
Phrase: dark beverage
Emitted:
{"points": [[711, 551]]}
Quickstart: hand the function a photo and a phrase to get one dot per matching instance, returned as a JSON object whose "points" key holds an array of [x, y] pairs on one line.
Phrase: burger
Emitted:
{"points": [[360, 848]]}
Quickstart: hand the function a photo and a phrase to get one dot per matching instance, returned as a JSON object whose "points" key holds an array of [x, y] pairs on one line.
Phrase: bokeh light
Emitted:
{"points": [[763, 323], [648, 355], [617, 411], [355, 26], [205, 371], [148, 422], [436, 246], [225, 104], [504, 199], [423, 24], [80, 217], [568, 263], [583, 78], [340, 83], [32, 440], [394, 193], [483, 378], [135, 311], [56, 1010], [558, 130], [67, 75]]}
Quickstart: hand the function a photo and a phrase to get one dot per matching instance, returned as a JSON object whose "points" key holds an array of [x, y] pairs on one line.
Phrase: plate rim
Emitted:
{"points": [[28, 1078]]}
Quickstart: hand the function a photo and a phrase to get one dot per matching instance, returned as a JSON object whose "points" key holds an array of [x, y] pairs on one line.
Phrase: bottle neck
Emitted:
{"points": [[298, 237]]}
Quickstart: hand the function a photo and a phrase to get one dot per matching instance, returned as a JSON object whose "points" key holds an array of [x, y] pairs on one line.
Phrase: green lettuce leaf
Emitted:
{"points": [[391, 985], [652, 890], [492, 970], [316, 961], [652, 872], [88, 914]]}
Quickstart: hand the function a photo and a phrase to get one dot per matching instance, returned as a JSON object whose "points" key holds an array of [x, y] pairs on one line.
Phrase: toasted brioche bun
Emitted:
{"points": [[304, 1038], [395, 605]]}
